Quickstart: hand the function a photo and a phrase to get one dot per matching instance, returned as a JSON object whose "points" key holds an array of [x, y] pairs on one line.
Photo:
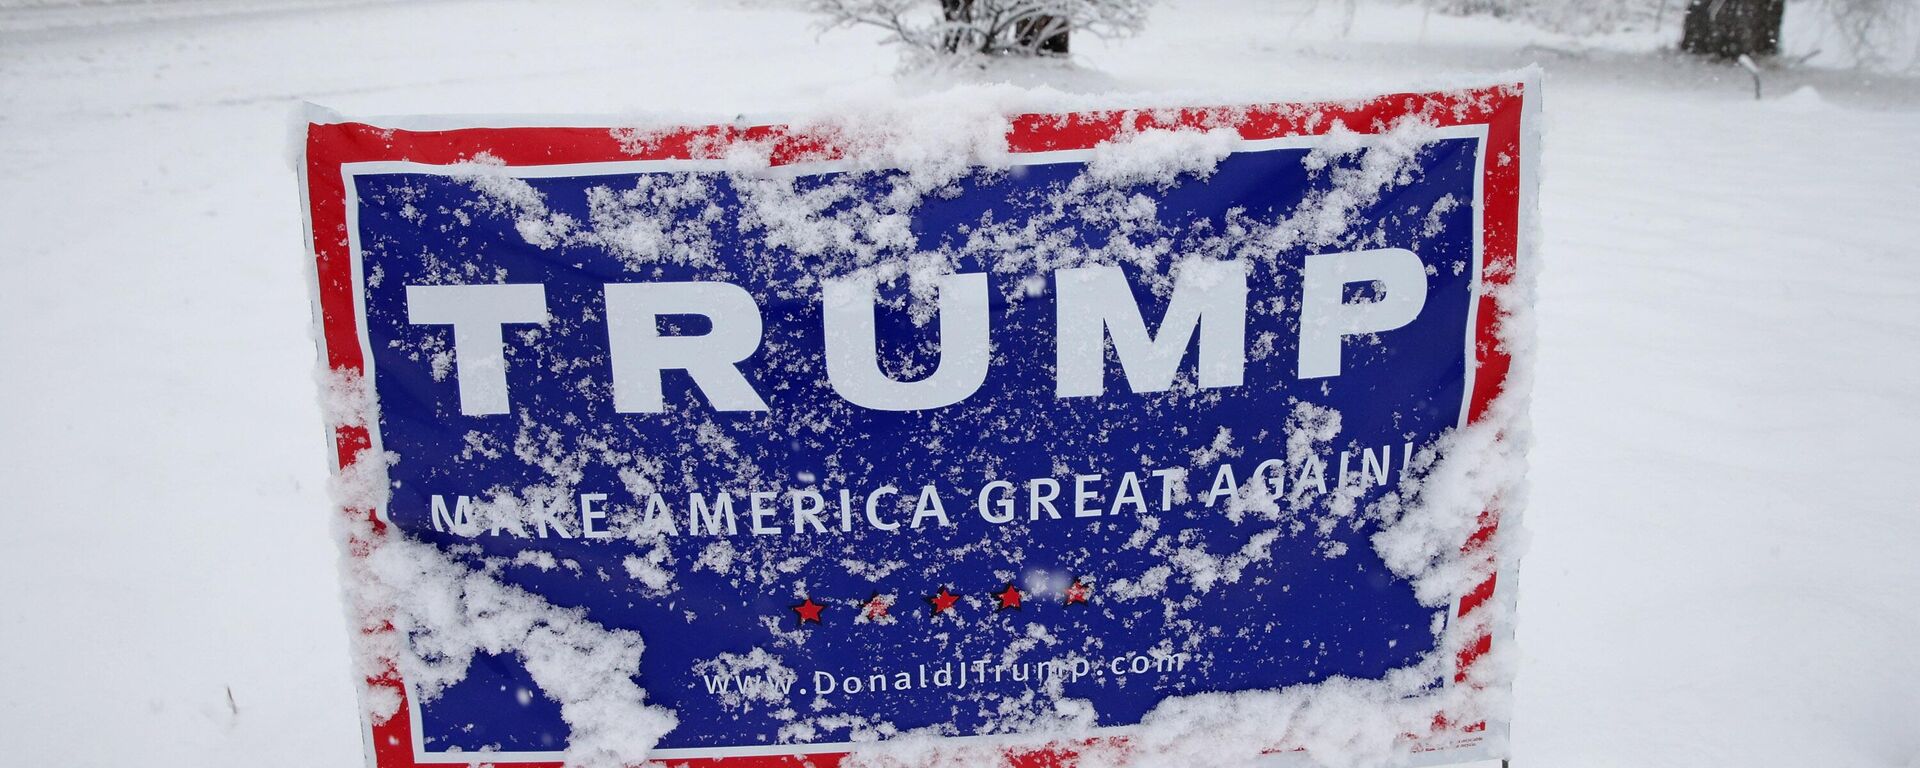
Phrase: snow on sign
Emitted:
{"points": [[972, 427]]}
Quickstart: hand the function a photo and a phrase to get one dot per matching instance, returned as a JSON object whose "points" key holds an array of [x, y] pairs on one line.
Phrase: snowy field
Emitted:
{"points": [[1724, 515]]}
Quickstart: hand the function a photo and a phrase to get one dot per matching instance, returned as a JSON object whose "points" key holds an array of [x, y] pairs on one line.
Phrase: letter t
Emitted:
{"points": [[476, 313]]}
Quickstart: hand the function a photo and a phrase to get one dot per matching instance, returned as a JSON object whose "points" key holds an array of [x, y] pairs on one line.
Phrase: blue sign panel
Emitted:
{"points": [[936, 469]]}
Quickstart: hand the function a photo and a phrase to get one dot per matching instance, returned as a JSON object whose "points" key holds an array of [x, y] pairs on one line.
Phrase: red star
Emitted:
{"points": [[1009, 598], [809, 611], [944, 601], [876, 607], [1077, 593]]}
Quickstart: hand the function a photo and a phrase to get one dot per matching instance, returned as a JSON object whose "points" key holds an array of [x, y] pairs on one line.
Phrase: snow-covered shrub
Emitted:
{"points": [[960, 28]]}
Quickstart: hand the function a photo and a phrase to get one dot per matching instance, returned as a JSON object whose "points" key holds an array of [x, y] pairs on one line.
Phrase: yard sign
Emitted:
{"points": [[933, 496]]}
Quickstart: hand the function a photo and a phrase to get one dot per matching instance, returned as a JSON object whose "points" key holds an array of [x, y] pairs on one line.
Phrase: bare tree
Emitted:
{"points": [[1877, 33], [988, 27], [1874, 34]]}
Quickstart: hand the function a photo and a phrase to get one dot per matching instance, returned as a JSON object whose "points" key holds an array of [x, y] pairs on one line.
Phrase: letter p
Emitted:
{"points": [[1325, 317]]}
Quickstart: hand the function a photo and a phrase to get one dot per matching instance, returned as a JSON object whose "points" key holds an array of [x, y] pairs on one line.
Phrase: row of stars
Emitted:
{"points": [[880, 606]]}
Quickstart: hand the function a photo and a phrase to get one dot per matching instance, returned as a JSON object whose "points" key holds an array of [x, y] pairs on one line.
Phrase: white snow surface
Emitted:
{"points": [[1719, 571]]}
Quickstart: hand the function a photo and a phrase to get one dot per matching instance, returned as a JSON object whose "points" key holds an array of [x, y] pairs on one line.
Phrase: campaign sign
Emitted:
{"points": [[860, 454]]}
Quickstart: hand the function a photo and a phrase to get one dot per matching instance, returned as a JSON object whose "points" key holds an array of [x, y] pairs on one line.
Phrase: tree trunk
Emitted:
{"points": [[1725, 29]]}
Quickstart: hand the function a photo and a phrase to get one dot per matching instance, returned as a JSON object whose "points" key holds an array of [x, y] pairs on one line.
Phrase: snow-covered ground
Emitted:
{"points": [[1724, 513]]}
